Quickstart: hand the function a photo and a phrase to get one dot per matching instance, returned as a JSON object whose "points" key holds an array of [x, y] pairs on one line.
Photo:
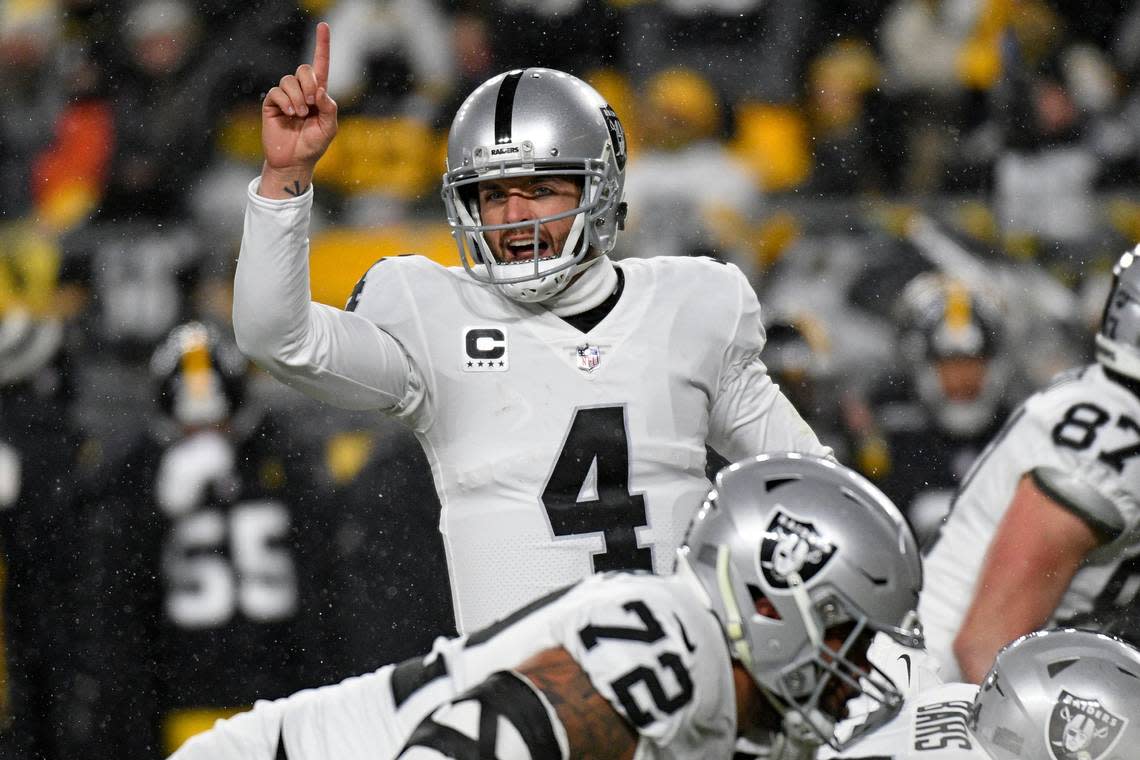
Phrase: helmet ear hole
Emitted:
{"points": [[763, 604]]}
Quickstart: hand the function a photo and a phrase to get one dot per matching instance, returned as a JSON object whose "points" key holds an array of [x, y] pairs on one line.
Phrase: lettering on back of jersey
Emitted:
{"points": [[941, 725], [485, 349], [1081, 729]]}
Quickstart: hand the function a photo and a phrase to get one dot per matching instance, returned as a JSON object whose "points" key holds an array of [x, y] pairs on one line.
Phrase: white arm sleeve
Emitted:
{"points": [[251, 735], [333, 355], [750, 415]]}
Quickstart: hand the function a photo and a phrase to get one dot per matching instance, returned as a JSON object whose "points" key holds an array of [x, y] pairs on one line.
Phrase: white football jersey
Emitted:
{"points": [[931, 726], [555, 453], [648, 644], [1085, 425]]}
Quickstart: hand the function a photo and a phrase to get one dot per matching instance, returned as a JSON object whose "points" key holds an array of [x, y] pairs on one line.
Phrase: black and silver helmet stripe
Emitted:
{"points": [[505, 106]]}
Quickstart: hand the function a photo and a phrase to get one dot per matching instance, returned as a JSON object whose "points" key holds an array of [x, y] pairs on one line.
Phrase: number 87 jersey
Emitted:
{"points": [[1085, 426]]}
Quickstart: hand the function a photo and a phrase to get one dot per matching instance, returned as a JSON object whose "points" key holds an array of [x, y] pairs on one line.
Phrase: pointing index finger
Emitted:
{"points": [[321, 55]]}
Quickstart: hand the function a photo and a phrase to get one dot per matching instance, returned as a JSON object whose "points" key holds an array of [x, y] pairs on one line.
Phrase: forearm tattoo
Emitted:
{"points": [[295, 190], [592, 725]]}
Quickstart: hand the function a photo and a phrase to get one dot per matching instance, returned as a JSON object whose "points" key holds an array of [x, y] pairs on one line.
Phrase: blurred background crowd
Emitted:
{"points": [[927, 196]]}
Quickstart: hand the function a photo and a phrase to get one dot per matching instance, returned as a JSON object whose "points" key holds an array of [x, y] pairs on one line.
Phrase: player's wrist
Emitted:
{"points": [[284, 182]]}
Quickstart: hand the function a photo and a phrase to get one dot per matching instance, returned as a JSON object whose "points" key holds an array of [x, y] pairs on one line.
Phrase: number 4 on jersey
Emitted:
{"points": [[597, 442]]}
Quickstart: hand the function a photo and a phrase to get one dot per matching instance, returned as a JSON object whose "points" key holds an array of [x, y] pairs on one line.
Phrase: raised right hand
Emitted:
{"points": [[298, 122]]}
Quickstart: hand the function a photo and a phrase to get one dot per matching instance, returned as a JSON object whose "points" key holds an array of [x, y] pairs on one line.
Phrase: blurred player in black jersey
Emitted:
{"points": [[40, 471], [799, 360], [938, 415], [203, 576], [386, 597]]}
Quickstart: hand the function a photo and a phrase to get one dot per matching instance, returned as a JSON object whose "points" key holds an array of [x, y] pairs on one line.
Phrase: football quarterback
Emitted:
{"points": [[564, 401]]}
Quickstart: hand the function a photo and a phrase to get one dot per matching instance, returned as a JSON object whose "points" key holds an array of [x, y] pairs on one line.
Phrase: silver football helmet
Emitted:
{"points": [[829, 552], [1118, 340], [1061, 694], [523, 123]]}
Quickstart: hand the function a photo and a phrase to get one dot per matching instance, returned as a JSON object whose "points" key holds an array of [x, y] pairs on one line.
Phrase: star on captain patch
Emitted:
{"points": [[588, 357]]}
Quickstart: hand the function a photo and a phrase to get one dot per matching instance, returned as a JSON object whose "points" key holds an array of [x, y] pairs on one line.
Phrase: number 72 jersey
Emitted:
{"points": [[1087, 426], [647, 643]]}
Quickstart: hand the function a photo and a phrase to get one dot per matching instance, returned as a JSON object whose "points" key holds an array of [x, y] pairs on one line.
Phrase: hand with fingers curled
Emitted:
{"points": [[298, 123]]}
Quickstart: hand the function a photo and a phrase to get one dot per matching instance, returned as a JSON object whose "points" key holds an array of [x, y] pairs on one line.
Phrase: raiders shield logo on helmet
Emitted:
{"points": [[1081, 729], [792, 546]]}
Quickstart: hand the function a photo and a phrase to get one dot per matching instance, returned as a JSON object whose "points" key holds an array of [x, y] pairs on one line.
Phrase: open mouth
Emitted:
{"points": [[523, 250]]}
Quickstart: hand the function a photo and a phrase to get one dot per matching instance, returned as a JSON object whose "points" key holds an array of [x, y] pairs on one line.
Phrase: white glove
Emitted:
{"points": [[799, 739]]}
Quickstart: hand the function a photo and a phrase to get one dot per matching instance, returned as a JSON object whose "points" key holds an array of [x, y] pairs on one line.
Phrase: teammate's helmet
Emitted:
{"points": [[200, 378], [942, 320], [1062, 694], [523, 123], [826, 549], [1118, 340]]}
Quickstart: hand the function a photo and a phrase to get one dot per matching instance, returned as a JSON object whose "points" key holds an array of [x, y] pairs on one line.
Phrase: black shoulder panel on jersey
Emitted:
{"points": [[413, 674], [354, 297], [484, 635], [503, 695]]}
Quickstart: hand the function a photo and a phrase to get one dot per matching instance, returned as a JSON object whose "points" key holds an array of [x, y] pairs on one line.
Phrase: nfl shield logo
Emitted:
{"points": [[1081, 729], [792, 546], [588, 357]]}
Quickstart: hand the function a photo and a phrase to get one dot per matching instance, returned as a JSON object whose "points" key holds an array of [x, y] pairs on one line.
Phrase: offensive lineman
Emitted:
{"points": [[1060, 694], [564, 401], [1041, 531], [787, 572]]}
